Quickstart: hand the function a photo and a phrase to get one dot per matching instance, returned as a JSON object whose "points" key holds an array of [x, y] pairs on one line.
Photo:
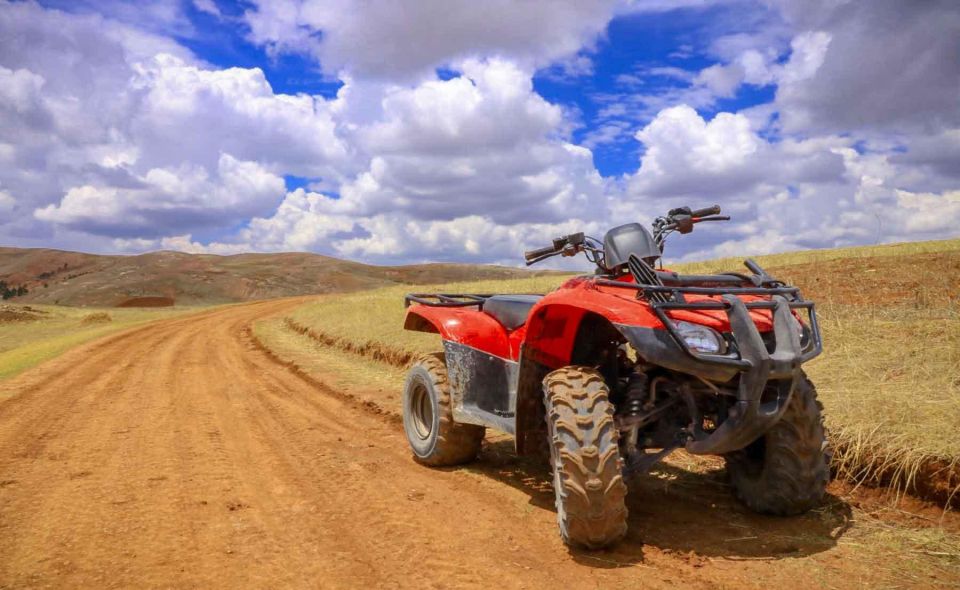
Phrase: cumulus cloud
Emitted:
{"points": [[399, 40], [238, 112], [168, 199], [185, 148], [872, 67], [140, 137], [788, 194], [689, 157], [483, 142], [451, 162], [139, 144]]}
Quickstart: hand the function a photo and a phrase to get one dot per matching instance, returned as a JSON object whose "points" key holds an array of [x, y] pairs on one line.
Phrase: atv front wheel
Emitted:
{"points": [[587, 478], [434, 437], [785, 471]]}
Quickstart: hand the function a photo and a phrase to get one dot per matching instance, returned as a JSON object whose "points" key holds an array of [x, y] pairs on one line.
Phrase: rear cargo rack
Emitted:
{"points": [[446, 299]]}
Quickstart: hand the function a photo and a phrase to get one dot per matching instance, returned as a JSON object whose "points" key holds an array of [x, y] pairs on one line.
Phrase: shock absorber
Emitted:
{"points": [[634, 399]]}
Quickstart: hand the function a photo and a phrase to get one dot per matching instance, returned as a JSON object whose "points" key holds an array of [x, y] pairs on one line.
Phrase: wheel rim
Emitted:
{"points": [[421, 409]]}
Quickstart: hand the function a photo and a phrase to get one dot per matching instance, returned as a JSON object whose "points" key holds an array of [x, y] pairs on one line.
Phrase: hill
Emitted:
{"points": [[167, 278]]}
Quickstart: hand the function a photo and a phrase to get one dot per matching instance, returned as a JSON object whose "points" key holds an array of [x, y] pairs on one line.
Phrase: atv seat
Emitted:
{"points": [[510, 310]]}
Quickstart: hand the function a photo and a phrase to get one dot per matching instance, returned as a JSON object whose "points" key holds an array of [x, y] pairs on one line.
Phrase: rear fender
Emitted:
{"points": [[481, 371], [467, 326]]}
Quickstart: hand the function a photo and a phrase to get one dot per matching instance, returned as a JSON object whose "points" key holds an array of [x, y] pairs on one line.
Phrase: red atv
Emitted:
{"points": [[614, 371]]}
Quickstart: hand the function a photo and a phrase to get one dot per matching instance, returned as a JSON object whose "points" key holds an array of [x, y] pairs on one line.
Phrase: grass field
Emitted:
{"points": [[889, 377], [32, 334]]}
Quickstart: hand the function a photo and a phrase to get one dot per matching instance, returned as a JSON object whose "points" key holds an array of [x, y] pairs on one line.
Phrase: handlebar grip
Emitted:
{"points": [[715, 210], [531, 254]]}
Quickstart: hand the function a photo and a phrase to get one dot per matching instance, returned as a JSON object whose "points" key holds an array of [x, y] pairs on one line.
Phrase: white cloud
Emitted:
{"points": [[208, 6], [482, 143], [181, 243], [141, 145], [400, 40], [7, 202], [795, 193], [238, 112], [475, 166], [170, 199], [685, 153], [929, 214], [303, 221], [138, 132], [162, 17], [879, 66], [470, 238]]}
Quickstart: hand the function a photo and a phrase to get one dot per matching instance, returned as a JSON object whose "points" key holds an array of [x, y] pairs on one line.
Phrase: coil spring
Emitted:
{"points": [[635, 396]]}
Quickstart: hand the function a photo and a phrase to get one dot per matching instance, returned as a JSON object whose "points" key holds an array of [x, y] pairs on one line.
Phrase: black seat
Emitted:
{"points": [[510, 310]]}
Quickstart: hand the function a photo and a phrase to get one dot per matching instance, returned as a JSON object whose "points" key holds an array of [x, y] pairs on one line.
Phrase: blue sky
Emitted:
{"points": [[676, 39], [450, 130]]}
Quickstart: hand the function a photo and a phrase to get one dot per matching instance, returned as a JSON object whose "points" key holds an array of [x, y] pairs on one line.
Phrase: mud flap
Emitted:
{"points": [[483, 387]]}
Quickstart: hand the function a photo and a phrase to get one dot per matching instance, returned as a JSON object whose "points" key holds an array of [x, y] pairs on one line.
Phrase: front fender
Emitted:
{"points": [[552, 332], [555, 321]]}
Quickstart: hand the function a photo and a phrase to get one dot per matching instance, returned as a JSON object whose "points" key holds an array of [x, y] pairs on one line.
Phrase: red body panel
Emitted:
{"points": [[551, 328], [464, 326]]}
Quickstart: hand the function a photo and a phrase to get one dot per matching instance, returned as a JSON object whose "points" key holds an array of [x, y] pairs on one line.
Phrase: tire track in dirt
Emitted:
{"points": [[178, 454]]}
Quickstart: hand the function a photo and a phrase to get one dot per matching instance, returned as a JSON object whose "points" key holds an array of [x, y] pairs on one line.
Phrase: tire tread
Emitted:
{"points": [[588, 479], [796, 467]]}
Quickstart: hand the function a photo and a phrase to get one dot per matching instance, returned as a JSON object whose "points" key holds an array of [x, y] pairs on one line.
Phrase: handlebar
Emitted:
{"points": [[680, 220], [566, 245], [529, 255], [715, 210]]}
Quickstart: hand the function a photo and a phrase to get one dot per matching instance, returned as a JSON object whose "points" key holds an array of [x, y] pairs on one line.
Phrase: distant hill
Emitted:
{"points": [[162, 278]]}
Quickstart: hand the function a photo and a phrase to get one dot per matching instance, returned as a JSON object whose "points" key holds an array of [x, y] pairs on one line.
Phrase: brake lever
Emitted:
{"points": [[544, 257]]}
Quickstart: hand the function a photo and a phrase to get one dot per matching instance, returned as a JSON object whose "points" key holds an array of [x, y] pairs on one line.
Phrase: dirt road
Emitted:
{"points": [[180, 455]]}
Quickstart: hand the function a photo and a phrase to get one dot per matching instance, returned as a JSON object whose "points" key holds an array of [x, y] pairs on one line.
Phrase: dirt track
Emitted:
{"points": [[180, 455]]}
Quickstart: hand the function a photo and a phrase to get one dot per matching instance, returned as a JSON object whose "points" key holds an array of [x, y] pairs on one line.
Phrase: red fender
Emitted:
{"points": [[554, 321], [462, 325], [552, 327]]}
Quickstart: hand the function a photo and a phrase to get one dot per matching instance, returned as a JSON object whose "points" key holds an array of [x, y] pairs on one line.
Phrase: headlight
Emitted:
{"points": [[701, 338]]}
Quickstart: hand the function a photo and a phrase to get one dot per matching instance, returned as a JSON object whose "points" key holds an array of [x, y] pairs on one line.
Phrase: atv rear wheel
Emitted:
{"points": [[587, 478], [785, 471], [433, 435]]}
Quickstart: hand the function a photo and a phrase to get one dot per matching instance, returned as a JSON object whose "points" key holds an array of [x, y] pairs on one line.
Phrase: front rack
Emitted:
{"points": [[668, 289], [446, 299], [694, 290], [664, 298]]}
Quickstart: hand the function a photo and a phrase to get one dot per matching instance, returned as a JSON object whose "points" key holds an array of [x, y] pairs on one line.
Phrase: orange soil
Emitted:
{"points": [[147, 302], [179, 454]]}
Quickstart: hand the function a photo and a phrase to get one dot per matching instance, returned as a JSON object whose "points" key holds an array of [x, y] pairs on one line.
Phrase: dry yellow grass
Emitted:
{"points": [[820, 256], [889, 377], [50, 330]]}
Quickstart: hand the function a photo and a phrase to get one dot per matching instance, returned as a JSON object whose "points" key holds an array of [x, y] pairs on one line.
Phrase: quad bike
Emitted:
{"points": [[612, 372]]}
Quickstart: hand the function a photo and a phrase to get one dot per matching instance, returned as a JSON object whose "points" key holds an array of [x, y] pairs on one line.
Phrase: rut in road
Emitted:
{"points": [[178, 454]]}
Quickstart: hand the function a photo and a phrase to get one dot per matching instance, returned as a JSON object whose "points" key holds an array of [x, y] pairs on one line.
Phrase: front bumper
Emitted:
{"points": [[752, 414]]}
